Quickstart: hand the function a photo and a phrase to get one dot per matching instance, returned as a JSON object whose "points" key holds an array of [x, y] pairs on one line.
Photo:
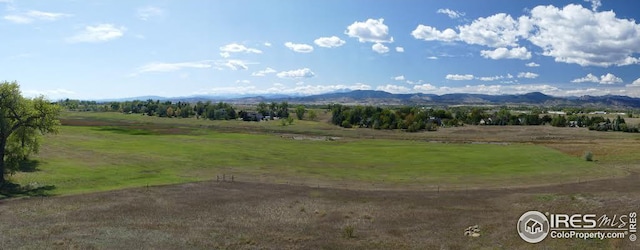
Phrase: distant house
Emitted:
{"points": [[252, 116], [557, 112], [598, 113], [435, 120], [487, 121]]}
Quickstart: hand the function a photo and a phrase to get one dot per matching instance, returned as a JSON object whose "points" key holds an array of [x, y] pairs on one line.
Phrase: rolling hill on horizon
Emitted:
{"points": [[377, 97]]}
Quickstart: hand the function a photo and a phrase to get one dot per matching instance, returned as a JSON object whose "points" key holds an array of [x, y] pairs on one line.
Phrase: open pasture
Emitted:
{"points": [[107, 151]]}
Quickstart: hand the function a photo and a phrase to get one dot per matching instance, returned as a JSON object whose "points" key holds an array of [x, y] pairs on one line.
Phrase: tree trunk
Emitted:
{"points": [[3, 143], [2, 180]]}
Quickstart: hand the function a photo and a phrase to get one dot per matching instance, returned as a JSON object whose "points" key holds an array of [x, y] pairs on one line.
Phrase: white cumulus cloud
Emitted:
{"points": [[264, 72], [372, 30], [572, 34], [237, 48], [528, 75], [298, 73], [380, 48], [610, 79], [578, 35], [589, 78], [604, 79], [635, 83], [424, 88], [532, 65], [232, 64], [489, 78], [299, 47], [394, 89], [499, 30], [168, 67], [595, 4], [429, 33], [98, 33], [456, 77], [399, 49], [34, 15], [504, 53], [399, 78], [329, 42], [451, 13]]}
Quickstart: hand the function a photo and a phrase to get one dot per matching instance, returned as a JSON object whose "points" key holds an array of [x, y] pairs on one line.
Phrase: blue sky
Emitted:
{"points": [[112, 49]]}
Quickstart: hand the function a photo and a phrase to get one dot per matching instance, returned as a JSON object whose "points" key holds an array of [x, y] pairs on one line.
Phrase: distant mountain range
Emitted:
{"points": [[375, 97]]}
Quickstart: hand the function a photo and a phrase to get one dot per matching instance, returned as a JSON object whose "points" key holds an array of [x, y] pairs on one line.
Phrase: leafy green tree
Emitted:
{"points": [[300, 110], [559, 121], [22, 121], [312, 115], [282, 109], [263, 108], [170, 111], [476, 115]]}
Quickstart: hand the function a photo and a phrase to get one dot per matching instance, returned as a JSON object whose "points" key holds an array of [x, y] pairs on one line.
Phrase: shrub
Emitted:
{"points": [[348, 231], [346, 124], [588, 156], [312, 115]]}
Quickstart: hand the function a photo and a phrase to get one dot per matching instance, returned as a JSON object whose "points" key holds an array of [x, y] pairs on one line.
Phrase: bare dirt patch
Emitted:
{"points": [[241, 215]]}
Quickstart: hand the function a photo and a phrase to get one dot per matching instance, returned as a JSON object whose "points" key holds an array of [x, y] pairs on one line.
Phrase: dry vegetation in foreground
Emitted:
{"points": [[223, 215]]}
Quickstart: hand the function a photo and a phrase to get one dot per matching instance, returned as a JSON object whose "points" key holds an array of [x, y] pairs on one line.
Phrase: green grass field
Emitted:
{"points": [[131, 151]]}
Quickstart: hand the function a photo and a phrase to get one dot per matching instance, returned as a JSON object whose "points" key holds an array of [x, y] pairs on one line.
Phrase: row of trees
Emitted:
{"points": [[598, 123], [274, 109], [414, 119], [411, 119], [618, 124], [206, 110]]}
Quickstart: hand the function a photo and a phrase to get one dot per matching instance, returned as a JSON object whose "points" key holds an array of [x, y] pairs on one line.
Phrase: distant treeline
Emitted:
{"points": [[206, 110], [413, 119]]}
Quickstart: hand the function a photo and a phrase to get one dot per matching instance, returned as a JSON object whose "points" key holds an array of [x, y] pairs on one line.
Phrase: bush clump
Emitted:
{"points": [[588, 156], [348, 232]]}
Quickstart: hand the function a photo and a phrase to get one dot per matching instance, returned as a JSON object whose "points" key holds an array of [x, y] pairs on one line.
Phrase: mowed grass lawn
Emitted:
{"points": [[96, 158]]}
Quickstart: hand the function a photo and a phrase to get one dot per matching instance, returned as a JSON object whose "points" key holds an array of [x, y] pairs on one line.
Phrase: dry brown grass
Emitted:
{"points": [[218, 215]]}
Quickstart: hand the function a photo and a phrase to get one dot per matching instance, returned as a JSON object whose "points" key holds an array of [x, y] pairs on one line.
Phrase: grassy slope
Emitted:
{"points": [[85, 159]]}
